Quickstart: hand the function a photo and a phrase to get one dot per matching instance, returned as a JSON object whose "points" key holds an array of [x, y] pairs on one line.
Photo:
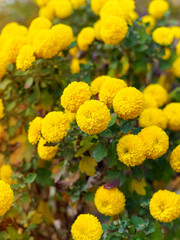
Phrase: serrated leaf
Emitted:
{"points": [[99, 152], [112, 155], [87, 165], [31, 177]]}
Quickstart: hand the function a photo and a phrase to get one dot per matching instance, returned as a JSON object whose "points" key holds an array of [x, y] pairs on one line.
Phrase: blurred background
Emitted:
{"points": [[23, 11]]}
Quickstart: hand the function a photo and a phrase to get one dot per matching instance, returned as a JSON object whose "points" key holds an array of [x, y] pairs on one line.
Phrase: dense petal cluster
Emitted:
{"points": [[165, 206], [85, 38], [96, 5], [158, 8], [1, 109], [163, 36], [172, 112], [131, 150], [128, 103], [175, 159], [153, 116], [34, 131], [25, 58], [109, 90], [93, 117], [74, 95], [78, 3], [5, 173], [175, 67], [46, 152], [155, 140], [63, 8], [86, 227], [6, 197], [150, 102], [109, 202], [97, 83]]}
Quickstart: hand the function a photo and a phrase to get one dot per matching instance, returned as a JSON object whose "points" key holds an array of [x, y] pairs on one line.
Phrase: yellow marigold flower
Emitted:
{"points": [[25, 58], [54, 126], [96, 5], [178, 49], [153, 116], [128, 103], [86, 227], [85, 38], [172, 112], [1, 109], [109, 202], [34, 131], [47, 11], [40, 23], [165, 81], [5, 173], [74, 95], [165, 206], [155, 140], [163, 36], [167, 54], [41, 3], [7, 197], [131, 150], [97, 83], [176, 68], [46, 152], [14, 29], [97, 30], [3, 63], [158, 8], [70, 116], [176, 31], [109, 90], [113, 30], [117, 8], [74, 51], [133, 15], [63, 8], [152, 23], [175, 159], [93, 117], [157, 92], [78, 3], [150, 102], [75, 66]]}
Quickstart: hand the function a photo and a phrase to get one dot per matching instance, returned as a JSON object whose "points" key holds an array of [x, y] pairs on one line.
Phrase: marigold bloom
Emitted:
{"points": [[153, 116], [96, 5], [176, 31], [25, 58], [113, 30], [155, 140], [63, 8], [158, 8], [54, 126], [7, 197], [75, 65], [109, 90], [41, 2], [1, 109], [34, 131], [175, 67], [172, 112], [165, 206], [128, 103], [70, 116], [3, 63], [175, 159], [46, 152], [86, 227], [157, 92], [14, 29], [85, 38], [93, 117], [40, 23], [97, 83], [97, 30], [47, 11], [149, 101], [152, 23], [74, 95], [5, 173], [131, 150], [109, 202], [163, 36], [78, 3]]}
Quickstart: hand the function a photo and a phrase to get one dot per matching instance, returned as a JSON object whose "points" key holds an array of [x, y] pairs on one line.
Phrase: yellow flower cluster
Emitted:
{"points": [[163, 36], [165, 206], [175, 67], [97, 83], [86, 227], [172, 112], [109, 202], [175, 159], [158, 8], [6, 197], [85, 38], [34, 131], [46, 152]]}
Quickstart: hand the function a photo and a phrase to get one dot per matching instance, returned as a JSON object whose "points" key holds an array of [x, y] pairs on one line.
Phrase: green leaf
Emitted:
{"points": [[44, 177], [99, 152], [89, 197], [126, 127], [3, 235], [107, 133], [31, 177], [157, 234], [112, 155], [139, 222], [28, 82], [113, 120]]}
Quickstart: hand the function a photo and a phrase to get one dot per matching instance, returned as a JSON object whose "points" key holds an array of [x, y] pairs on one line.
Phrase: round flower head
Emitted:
{"points": [[41, 3], [34, 131], [74, 95], [97, 30], [5, 173], [152, 23], [93, 117], [13, 28], [176, 31], [176, 68], [131, 150], [97, 83], [172, 112], [85, 38], [78, 3], [1, 109], [175, 159], [128, 103], [86, 227], [7, 197], [113, 30], [163, 36], [155, 140], [109, 202], [165, 206], [75, 66], [153, 116], [47, 11], [70, 116], [25, 58], [109, 90], [96, 5], [54, 126], [63, 8], [158, 8], [46, 152], [40, 23], [157, 92], [3, 64], [149, 101]]}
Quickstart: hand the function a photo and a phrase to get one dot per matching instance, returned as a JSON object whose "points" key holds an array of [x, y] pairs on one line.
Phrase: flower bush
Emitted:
{"points": [[89, 123]]}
